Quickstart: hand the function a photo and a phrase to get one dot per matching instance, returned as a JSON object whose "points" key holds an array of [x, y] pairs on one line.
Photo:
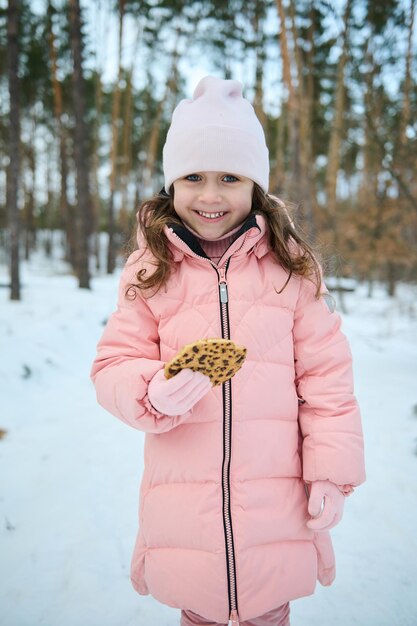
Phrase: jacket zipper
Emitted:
{"points": [[227, 412]]}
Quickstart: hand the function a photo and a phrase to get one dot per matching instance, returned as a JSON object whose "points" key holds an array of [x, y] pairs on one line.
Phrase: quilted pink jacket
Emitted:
{"points": [[223, 506]]}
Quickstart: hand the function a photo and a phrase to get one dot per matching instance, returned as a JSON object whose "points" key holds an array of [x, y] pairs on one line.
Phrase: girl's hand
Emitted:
{"points": [[325, 505], [180, 393]]}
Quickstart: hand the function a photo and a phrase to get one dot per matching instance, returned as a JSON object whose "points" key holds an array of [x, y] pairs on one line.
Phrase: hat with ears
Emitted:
{"points": [[218, 131]]}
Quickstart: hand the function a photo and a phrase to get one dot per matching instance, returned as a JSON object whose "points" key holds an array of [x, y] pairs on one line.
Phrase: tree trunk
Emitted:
{"points": [[152, 150], [369, 198], [258, 103], [95, 196], [307, 130], [293, 110], [126, 165], [29, 222], [98, 101], [277, 178], [406, 108], [14, 141], [66, 210], [84, 226], [300, 93], [402, 158], [126, 156], [49, 208], [337, 127], [302, 182], [111, 251], [336, 137]]}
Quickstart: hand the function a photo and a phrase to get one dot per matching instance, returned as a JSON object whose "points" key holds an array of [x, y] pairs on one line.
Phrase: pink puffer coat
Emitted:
{"points": [[223, 506]]}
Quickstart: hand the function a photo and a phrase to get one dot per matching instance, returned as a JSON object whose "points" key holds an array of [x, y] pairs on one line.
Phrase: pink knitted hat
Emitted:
{"points": [[216, 131]]}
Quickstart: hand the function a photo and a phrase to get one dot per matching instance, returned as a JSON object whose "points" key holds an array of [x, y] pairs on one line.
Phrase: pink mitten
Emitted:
{"points": [[325, 505], [179, 394]]}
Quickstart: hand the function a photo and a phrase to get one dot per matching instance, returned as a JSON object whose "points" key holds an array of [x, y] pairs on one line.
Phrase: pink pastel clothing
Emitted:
{"points": [[325, 505], [276, 617], [178, 394], [215, 249], [223, 508], [216, 130]]}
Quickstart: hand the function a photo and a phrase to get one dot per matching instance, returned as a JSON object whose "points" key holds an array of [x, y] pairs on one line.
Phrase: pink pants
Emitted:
{"points": [[277, 617]]}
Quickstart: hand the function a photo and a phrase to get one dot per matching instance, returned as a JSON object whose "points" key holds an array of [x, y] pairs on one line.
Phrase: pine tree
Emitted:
{"points": [[83, 211], [13, 170]]}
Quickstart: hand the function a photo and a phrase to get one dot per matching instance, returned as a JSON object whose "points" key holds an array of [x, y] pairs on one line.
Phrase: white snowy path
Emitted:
{"points": [[70, 472]]}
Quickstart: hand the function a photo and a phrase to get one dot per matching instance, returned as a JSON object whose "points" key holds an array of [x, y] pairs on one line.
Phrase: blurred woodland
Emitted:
{"points": [[333, 83]]}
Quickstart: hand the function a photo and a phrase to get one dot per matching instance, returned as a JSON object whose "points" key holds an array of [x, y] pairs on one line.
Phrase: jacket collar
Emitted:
{"points": [[251, 237]]}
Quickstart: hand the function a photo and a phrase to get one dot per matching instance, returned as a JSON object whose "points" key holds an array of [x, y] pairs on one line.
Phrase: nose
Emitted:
{"points": [[209, 193]]}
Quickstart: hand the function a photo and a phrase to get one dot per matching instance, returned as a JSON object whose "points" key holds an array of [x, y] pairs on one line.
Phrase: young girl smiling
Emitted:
{"points": [[242, 481]]}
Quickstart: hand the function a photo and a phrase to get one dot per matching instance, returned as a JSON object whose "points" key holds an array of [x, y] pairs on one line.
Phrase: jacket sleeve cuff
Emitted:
{"points": [[151, 409], [147, 404], [345, 489]]}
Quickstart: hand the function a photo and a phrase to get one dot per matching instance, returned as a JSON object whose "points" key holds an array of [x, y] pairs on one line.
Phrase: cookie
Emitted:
{"points": [[219, 359]]}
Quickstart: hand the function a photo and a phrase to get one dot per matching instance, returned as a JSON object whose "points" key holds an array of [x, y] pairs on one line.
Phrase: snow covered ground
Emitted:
{"points": [[70, 473]]}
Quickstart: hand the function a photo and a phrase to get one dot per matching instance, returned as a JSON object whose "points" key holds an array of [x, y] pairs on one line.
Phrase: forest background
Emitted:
{"points": [[87, 91], [86, 95]]}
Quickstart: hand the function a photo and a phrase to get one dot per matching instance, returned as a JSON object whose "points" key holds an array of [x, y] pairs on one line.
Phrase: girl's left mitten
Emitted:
{"points": [[178, 394], [325, 505]]}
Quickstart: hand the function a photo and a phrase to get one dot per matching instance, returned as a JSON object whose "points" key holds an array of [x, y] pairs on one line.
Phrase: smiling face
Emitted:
{"points": [[213, 203]]}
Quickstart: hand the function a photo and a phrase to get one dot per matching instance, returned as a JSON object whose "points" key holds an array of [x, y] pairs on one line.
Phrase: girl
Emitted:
{"points": [[241, 482]]}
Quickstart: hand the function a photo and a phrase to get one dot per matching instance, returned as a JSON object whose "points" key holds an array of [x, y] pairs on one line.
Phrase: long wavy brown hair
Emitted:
{"points": [[287, 245]]}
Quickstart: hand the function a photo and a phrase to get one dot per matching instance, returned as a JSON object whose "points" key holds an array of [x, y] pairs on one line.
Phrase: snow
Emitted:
{"points": [[70, 472]]}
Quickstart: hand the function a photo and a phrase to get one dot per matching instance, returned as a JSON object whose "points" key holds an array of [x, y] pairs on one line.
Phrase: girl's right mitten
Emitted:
{"points": [[178, 394]]}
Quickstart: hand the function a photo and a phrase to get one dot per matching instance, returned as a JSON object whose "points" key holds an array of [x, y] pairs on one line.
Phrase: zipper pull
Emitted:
{"points": [[224, 297], [234, 618]]}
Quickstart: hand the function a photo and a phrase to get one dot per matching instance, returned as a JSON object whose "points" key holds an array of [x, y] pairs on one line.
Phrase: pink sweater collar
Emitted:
{"points": [[254, 238]]}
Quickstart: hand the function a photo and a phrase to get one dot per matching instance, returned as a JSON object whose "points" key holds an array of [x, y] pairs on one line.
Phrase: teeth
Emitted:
{"points": [[211, 216]]}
